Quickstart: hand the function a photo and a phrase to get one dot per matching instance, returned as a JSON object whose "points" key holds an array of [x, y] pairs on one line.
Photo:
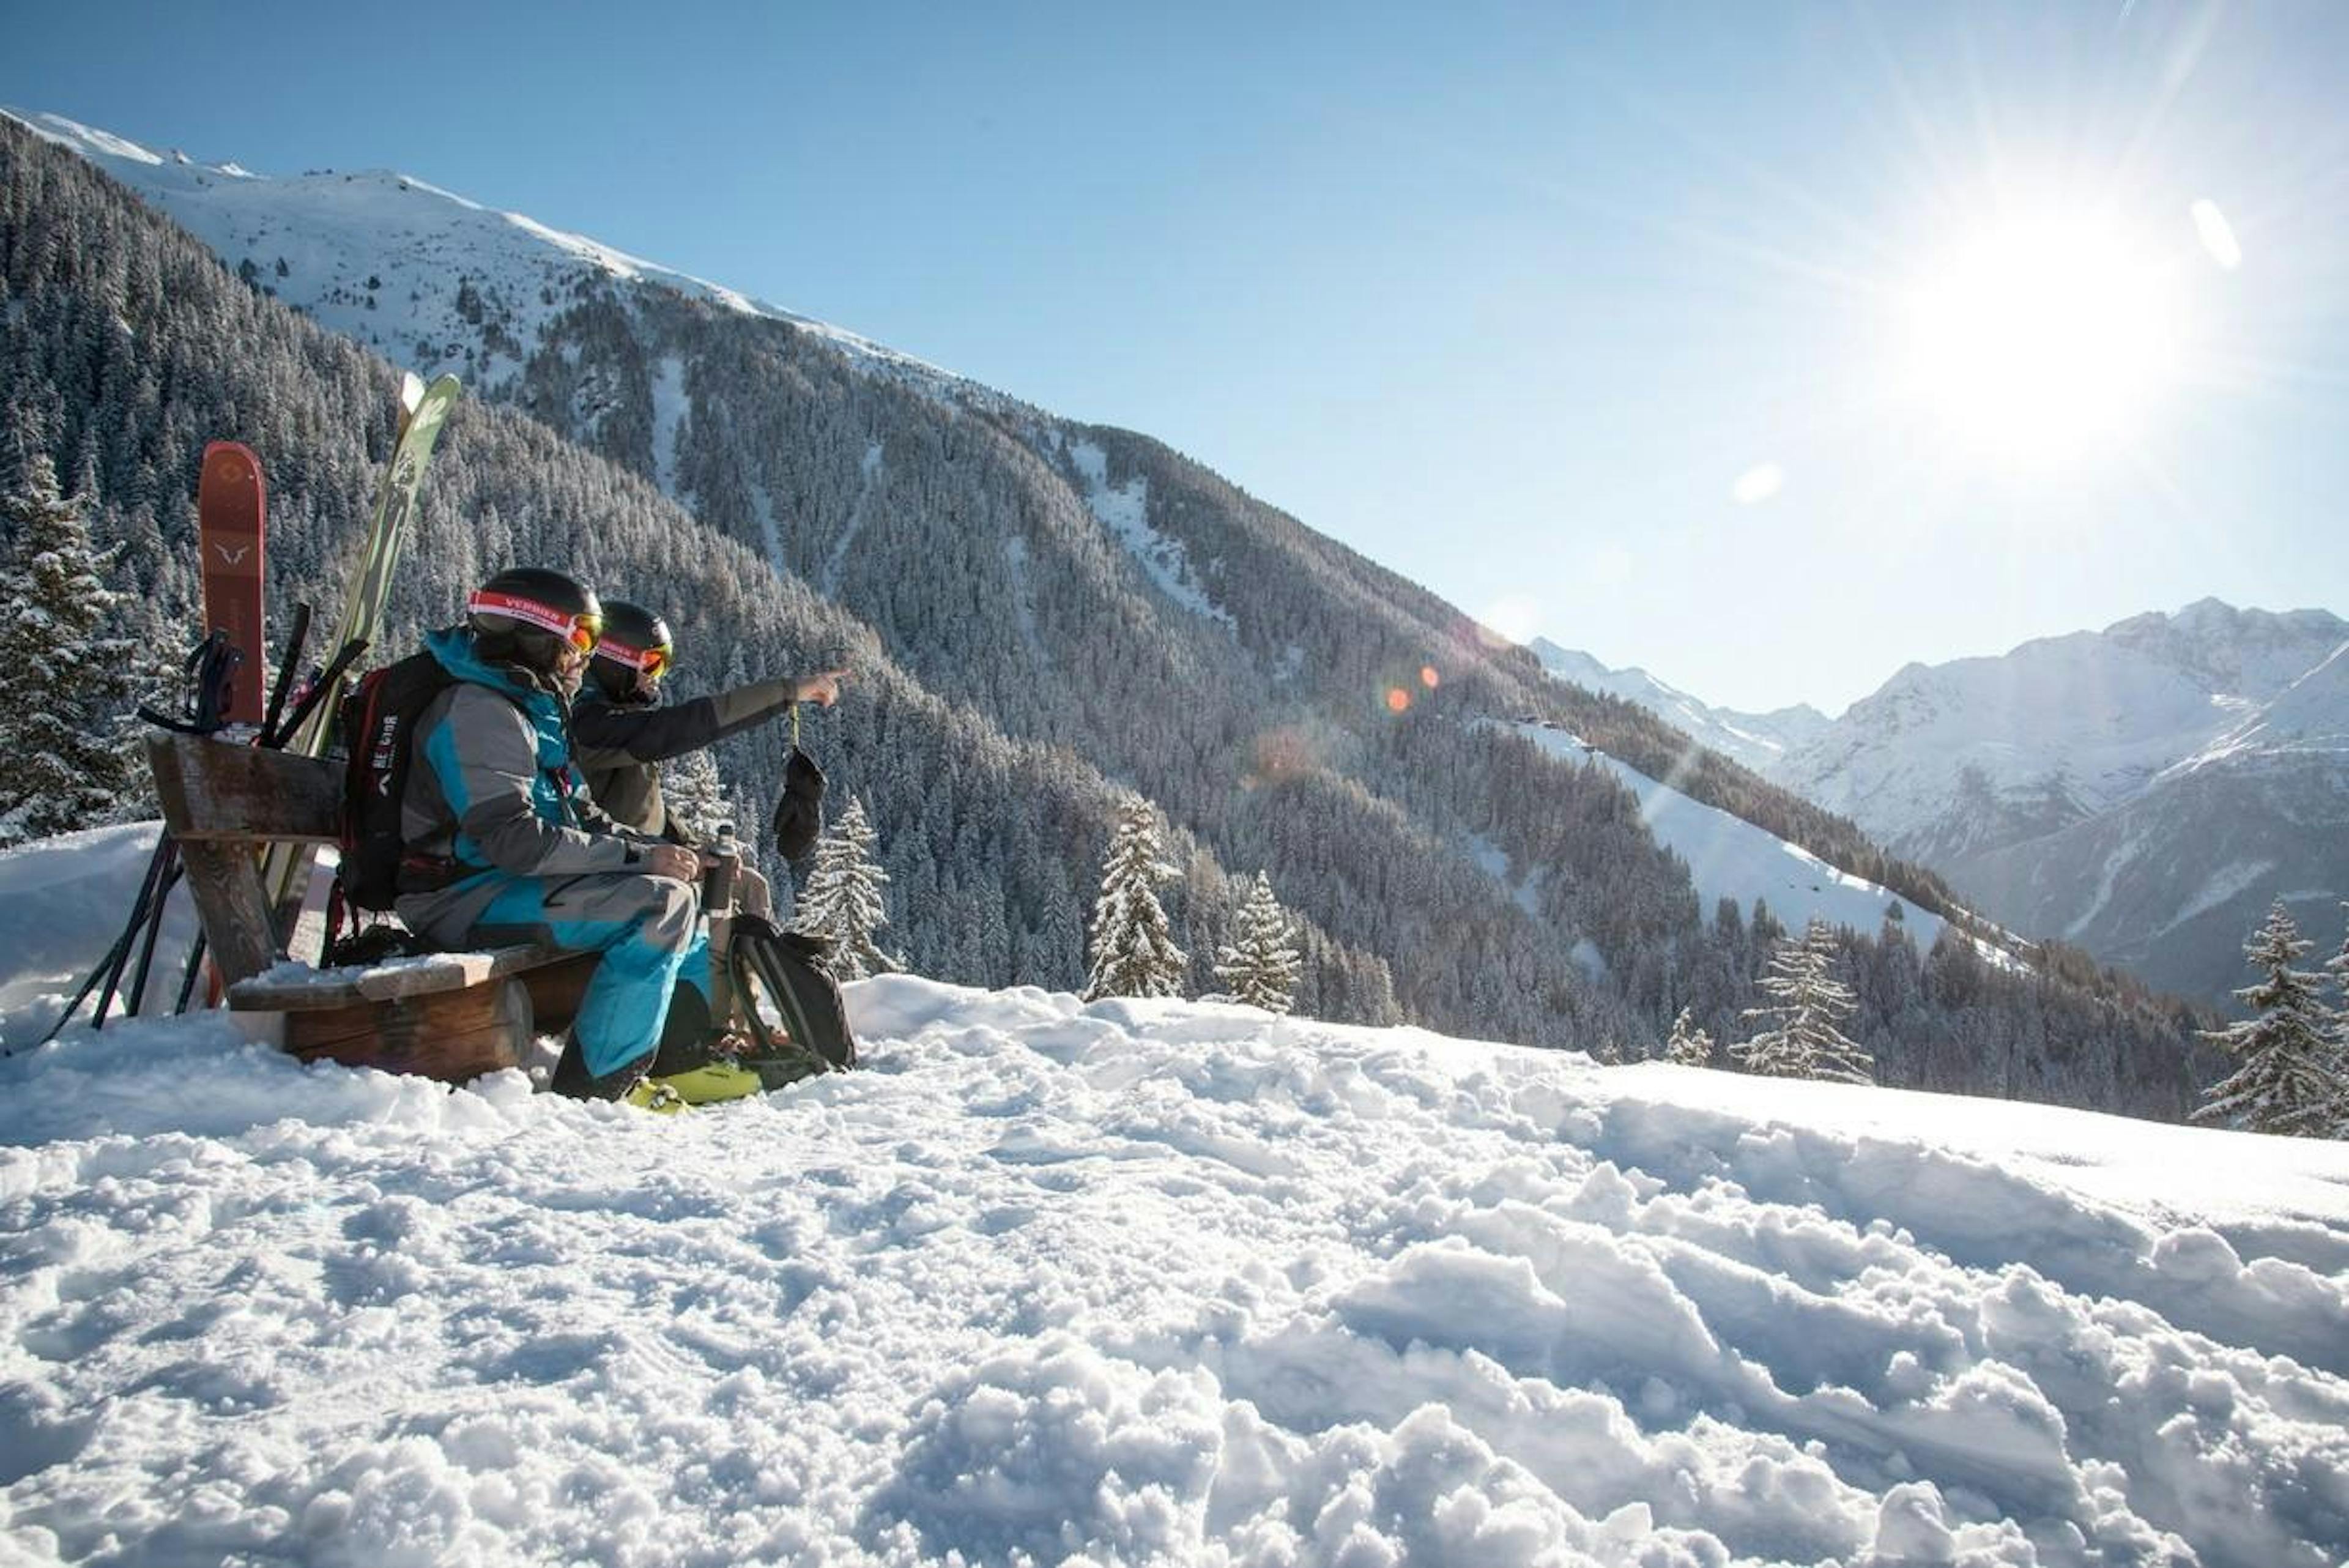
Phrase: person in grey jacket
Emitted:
{"points": [[504, 843], [622, 729]]}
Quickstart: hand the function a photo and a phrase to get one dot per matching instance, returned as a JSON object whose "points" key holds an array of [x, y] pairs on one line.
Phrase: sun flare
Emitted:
{"points": [[2043, 341]]}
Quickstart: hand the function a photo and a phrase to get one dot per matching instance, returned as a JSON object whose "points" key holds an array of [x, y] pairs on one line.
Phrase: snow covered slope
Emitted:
{"points": [[2143, 791], [1150, 1284], [1729, 858], [378, 256], [1757, 739]]}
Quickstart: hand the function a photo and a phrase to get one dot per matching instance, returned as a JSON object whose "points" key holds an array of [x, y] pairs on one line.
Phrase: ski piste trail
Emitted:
{"points": [[1135, 1283]]}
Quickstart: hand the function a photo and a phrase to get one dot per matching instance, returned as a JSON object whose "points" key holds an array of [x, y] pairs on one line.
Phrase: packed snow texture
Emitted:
{"points": [[1159, 1282]]}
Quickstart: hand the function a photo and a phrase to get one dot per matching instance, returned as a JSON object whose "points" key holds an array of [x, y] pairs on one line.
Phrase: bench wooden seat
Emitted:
{"points": [[451, 1016], [295, 988]]}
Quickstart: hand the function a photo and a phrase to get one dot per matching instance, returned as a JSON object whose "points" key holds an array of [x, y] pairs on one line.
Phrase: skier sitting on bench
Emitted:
{"points": [[501, 844]]}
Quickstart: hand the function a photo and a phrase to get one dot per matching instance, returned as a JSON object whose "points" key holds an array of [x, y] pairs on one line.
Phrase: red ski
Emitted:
{"points": [[231, 507]]}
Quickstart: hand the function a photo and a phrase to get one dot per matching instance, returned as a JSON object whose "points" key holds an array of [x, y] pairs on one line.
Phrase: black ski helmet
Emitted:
{"points": [[529, 614], [637, 646]]}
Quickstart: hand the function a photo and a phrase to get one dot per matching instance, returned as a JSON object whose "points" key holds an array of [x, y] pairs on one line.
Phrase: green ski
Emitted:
{"points": [[285, 871], [370, 584]]}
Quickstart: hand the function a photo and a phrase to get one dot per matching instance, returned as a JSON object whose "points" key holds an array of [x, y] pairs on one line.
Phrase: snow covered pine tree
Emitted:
{"points": [[67, 690], [2288, 1082], [2337, 966], [1689, 1046], [695, 795], [1804, 1007], [1260, 964], [1134, 947], [842, 902]]}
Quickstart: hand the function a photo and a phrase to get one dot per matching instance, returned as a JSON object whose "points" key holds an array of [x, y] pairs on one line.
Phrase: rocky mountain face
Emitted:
{"points": [[2143, 790]]}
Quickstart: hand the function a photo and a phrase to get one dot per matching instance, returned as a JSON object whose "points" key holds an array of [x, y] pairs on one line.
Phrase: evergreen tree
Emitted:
{"points": [[842, 903], [1133, 951], [66, 759], [1804, 1007], [2337, 966], [2289, 1081], [1690, 1045], [1259, 966], [695, 796]]}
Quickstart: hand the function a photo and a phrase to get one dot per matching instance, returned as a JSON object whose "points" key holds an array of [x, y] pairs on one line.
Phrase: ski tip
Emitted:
{"points": [[411, 391]]}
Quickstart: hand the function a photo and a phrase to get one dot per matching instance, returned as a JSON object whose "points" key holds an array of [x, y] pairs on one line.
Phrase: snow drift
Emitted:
{"points": [[1150, 1282]]}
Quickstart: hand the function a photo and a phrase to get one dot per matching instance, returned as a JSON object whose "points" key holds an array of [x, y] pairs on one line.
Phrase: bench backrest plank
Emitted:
{"points": [[221, 800], [222, 793]]}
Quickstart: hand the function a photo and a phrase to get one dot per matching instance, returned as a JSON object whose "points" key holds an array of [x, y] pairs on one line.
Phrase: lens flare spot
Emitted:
{"points": [[2217, 234], [1397, 699], [1429, 677], [1758, 483], [1280, 754]]}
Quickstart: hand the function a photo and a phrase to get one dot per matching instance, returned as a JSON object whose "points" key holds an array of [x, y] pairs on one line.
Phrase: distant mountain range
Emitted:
{"points": [[2143, 791], [1760, 741]]}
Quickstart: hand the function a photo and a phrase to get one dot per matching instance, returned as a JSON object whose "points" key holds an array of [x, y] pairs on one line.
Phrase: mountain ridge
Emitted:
{"points": [[1756, 740]]}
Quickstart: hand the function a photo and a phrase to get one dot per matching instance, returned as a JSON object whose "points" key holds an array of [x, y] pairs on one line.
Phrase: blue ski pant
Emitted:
{"points": [[647, 929]]}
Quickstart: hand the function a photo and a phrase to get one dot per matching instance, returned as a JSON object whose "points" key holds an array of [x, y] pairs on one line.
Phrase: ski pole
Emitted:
{"points": [[133, 999], [188, 976], [287, 663], [111, 970], [325, 683]]}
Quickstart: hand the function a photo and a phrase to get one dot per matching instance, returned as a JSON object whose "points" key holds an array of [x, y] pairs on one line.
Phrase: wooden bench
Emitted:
{"points": [[451, 1016]]}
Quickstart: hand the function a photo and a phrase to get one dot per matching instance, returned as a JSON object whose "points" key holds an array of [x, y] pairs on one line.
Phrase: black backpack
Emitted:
{"points": [[788, 968], [376, 721]]}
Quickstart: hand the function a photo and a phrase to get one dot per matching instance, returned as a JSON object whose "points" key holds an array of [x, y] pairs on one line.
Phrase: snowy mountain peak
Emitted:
{"points": [[2101, 714], [2250, 654], [1756, 740], [409, 268], [2309, 718], [2138, 790]]}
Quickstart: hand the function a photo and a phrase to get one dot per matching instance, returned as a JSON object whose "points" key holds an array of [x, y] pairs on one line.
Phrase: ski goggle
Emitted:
{"points": [[652, 663], [583, 631]]}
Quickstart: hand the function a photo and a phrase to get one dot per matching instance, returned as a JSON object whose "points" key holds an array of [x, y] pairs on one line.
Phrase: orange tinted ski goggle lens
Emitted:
{"points": [[651, 663], [586, 631]]}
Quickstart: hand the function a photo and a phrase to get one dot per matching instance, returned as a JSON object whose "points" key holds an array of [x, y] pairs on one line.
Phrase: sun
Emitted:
{"points": [[2043, 340]]}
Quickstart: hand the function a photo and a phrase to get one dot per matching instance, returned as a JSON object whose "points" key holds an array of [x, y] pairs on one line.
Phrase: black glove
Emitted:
{"points": [[799, 812]]}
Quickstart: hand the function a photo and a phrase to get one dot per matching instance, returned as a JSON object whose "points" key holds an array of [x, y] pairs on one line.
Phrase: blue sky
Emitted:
{"points": [[1600, 320]]}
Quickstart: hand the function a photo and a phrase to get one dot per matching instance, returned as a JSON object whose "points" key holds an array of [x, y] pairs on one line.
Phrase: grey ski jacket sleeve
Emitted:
{"points": [[497, 806]]}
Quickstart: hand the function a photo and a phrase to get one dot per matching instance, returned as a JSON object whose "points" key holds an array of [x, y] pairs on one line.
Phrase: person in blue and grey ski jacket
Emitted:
{"points": [[505, 845]]}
